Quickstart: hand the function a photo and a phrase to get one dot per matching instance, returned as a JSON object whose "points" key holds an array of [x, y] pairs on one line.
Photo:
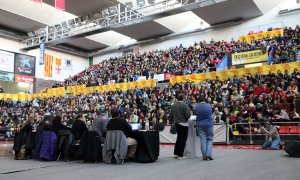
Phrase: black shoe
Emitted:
{"points": [[205, 159], [209, 158]]}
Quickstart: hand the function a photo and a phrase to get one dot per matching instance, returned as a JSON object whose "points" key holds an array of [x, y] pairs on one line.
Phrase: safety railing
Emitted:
{"points": [[284, 129]]}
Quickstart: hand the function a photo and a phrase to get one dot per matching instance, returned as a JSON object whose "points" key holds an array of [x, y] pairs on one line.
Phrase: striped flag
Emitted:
{"points": [[60, 4], [48, 66]]}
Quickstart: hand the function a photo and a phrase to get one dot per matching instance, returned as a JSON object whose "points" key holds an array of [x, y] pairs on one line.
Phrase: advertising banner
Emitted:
{"points": [[23, 78], [6, 76], [249, 57], [7, 61], [24, 65]]}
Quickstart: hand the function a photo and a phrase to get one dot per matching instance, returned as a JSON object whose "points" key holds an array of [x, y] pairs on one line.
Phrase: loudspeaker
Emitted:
{"points": [[293, 148], [297, 105]]}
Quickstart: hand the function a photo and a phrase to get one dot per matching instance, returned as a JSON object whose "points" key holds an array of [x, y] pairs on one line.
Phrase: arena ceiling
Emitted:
{"points": [[22, 16]]}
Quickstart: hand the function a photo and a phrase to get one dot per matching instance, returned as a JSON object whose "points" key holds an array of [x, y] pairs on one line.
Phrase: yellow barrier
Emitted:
{"points": [[249, 38], [81, 89], [223, 75]]}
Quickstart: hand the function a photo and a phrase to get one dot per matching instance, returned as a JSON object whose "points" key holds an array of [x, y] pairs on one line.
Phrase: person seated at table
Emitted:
{"points": [[117, 123], [99, 125], [79, 127]]}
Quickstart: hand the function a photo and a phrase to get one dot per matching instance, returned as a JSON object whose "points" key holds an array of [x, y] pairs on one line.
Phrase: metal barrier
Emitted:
{"points": [[253, 134]]}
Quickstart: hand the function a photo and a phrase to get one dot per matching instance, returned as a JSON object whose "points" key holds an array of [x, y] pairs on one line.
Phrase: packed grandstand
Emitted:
{"points": [[250, 97]]}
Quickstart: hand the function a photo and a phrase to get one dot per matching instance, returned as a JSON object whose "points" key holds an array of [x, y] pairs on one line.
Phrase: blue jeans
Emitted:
{"points": [[274, 144], [206, 136]]}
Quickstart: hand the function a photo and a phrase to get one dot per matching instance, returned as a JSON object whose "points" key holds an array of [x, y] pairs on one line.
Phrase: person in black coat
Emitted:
{"points": [[79, 127], [57, 126], [24, 139]]}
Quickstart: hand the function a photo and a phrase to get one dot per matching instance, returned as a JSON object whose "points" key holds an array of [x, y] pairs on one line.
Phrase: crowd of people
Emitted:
{"points": [[200, 57], [256, 98]]}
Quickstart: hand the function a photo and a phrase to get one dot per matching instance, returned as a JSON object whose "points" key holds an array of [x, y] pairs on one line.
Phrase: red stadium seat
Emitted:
{"points": [[294, 130], [283, 130]]}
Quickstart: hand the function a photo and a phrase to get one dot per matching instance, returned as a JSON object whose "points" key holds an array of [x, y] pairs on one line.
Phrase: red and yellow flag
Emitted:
{"points": [[48, 66]]}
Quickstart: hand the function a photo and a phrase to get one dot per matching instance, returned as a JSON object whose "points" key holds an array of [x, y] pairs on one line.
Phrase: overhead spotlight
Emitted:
{"points": [[30, 34], [96, 15], [78, 20], [85, 18], [51, 29], [40, 32], [129, 6], [58, 27], [105, 12], [151, 1], [65, 25], [113, 10], [71, 22], [140, 2]]}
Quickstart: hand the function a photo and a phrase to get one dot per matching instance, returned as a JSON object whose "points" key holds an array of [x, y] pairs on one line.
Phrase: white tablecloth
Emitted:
{"points": [[192, 147]]}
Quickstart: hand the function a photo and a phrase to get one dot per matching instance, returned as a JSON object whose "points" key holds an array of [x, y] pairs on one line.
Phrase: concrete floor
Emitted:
{"points": [[228, 164]]}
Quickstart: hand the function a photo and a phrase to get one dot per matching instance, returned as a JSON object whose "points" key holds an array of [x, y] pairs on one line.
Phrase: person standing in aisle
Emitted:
{"points": [[180, 112], [204, 123]]}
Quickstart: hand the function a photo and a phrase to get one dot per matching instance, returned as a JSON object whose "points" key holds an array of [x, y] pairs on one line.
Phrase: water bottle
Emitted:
{"points": [[147, 125]]}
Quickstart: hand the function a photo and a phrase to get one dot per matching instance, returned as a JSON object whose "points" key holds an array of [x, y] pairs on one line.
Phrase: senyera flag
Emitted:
{"points": [[60, 4], [37, 1]]}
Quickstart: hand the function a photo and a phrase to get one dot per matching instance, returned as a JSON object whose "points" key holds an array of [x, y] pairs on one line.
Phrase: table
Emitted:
{"points": [[147, 145]]}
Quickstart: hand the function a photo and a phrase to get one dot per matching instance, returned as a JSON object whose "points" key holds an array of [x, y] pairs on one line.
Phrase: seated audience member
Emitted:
{"points": [[57, 126], [273, 139], [281, 114], [99, 126], [79, 127], [117, 123]]}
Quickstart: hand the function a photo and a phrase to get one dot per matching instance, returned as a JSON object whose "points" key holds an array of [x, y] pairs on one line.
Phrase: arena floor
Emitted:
{"points": [[239, 164]]}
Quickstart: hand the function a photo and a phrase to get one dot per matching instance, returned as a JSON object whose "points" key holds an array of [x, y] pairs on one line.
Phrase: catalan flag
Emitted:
{"points": [[48, 66]]}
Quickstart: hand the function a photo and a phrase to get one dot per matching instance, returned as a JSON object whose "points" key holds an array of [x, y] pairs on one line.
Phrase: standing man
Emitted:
{"points": [[204, 122], [180, 112]]}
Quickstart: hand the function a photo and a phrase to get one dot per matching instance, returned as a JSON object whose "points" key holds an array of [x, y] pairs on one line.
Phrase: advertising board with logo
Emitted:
{"points": [[23, 78], [24, 65]]}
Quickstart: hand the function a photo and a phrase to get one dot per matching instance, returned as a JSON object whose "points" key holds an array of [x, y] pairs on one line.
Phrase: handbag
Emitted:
{"points": [[173, 129]]}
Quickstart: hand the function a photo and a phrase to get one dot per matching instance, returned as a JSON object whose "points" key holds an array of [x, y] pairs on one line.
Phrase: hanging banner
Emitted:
{"points": [[42, 53], [7, 61], [48, 66], [24, 65], [249, 57], [58, 63]]}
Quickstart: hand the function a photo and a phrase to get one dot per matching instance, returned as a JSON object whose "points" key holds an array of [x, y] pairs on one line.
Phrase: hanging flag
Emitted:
{"points": [[60, 4], [48, 66], [223, 64], [37, 1], [42, 53], [58, 63], [270, 58]]}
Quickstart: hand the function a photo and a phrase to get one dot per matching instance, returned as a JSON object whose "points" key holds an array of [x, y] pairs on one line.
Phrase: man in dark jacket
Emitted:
{"points": [[79, 127], [117, 123], [204, 122], [180, 112]]}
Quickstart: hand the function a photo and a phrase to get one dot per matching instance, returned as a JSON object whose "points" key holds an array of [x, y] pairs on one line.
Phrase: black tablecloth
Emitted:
{"points": [[148, 145]]}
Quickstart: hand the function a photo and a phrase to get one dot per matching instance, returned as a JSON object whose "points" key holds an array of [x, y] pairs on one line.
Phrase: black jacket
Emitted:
{"points": [[119, 124], [90, 146], [78, 129]]}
